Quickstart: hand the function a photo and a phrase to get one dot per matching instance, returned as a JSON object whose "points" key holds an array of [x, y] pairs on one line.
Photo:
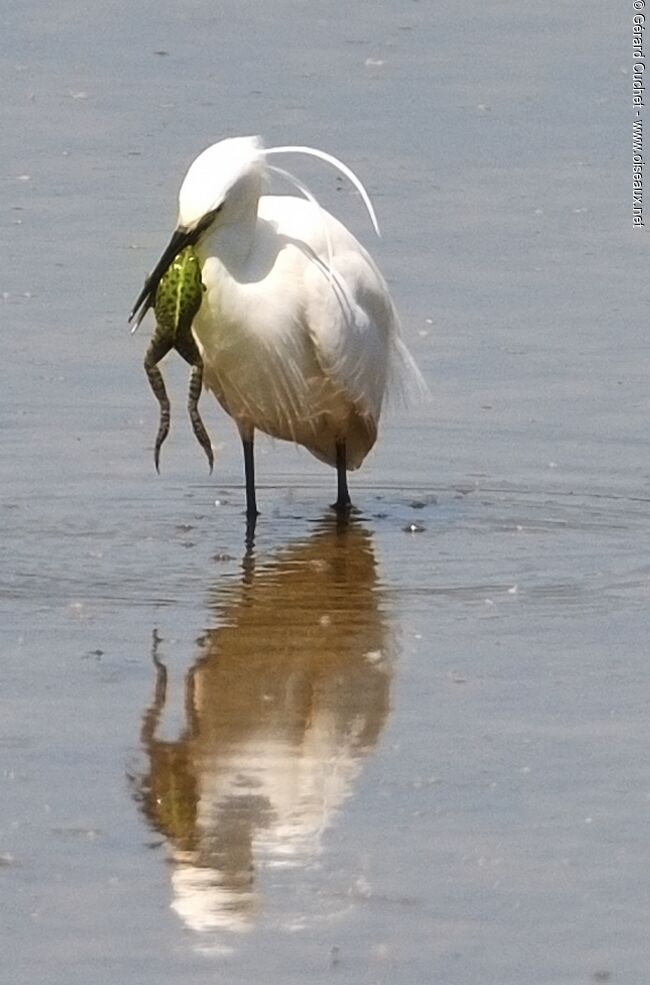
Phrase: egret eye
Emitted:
{"points": [[206, 221]]}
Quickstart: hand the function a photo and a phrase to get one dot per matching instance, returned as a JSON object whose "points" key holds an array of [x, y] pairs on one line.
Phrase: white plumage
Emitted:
{"points": [[297, 330]]}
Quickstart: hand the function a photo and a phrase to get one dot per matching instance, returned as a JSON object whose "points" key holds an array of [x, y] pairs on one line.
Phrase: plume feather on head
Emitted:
{"points": [[219, 168], [228, 175]]}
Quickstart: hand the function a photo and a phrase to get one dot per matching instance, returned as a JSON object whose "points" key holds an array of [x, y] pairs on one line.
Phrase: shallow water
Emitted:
{"points": [[415, 748]]}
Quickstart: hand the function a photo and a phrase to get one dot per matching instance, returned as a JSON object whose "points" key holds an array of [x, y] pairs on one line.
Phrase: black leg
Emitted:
{"points": [[343, 501], [249, 470]]}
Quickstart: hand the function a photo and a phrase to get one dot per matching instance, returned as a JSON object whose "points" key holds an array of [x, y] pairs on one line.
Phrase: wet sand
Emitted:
{"points": [[414, 749]]}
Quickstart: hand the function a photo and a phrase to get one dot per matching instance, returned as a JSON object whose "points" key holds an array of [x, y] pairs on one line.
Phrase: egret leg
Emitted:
{"points": [[249, 541], [188, 349], [249, 471], [158, 347], [343, 501]]}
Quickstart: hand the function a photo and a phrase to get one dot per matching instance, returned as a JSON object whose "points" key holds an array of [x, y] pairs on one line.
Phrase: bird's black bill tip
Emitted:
{"points": [[147, 296]]}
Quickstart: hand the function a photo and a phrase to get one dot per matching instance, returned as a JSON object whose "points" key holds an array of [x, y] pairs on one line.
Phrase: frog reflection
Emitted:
{"points": [[286, 698]]}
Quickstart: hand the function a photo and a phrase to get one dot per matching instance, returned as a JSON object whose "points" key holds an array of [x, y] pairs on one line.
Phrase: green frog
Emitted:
{"points": [[178, 298]]}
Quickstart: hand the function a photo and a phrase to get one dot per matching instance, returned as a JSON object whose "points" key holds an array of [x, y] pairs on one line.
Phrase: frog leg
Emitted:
{"points": [[158, 347], [188, 349]]}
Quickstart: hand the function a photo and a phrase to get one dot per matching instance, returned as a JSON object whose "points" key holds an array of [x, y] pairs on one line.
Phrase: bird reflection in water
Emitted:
{"points": [[286, 698]]}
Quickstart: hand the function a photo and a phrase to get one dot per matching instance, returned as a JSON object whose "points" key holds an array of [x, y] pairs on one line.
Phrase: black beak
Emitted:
{"points": [[180, 239]]}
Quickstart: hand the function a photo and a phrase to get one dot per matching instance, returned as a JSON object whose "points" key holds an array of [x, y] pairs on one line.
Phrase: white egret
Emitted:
{"points": [[297, 330]]}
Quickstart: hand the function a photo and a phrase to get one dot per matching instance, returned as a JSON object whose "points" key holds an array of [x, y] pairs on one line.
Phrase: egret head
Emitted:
{"points": [[224, 178], [223, 184]]}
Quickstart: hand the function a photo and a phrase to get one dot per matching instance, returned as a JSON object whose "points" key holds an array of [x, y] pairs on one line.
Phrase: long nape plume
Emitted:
{"points": [[302, 187], [337, 283], [339, 165]]}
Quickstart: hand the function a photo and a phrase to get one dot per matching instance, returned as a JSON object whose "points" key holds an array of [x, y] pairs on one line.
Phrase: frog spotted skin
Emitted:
{"points": [[178, 298]]}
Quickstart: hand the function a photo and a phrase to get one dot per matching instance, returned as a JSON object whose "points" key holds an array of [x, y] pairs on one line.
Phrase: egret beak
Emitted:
{"points": [[180, 239]]}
